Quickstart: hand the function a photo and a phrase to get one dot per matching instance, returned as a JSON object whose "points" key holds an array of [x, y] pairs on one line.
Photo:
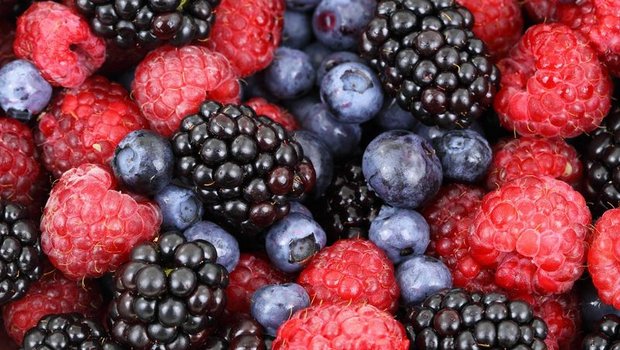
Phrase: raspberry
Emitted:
{"points": [[604, 257], [542, 10], [84, 125], [52, 294], [273, 112], [354, 271], [497, 22], [514, 158], [251, 273], [248, 33], [563, 318], [172, 82], [88, 228], [59, 43], [552, 84], [335, 326], [6, 42], [533, 232]]}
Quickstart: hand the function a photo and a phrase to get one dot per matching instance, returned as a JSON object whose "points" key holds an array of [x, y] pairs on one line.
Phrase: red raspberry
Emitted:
{"points": [[248, 33], [337, 326], [552, 84], [251, 273], [88, 228], [6, 42], [604, 257], [351, 270], [273, 112], [542, 10], [52, 294], [84, 125], [172, 82], [533, 232], [497, 22], [59, 42], [514, 158], [563, 318]]}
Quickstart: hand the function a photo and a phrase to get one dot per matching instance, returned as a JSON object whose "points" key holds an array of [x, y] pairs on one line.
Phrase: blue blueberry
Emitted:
{"points": [[592, 308], [392, 117], [432, 132], [421, 276], [297, 31], [302, 107], [23, 91], [317, 53], [353, 92], [402, 168], [342, 139], [465, 155], [334, 59], [225, 244], [299, 208], [290, 75], [318, 152], [144, 162], [180, 207], [401, 233], [301, 5], [338, 24], [274, 304], [292, 241]]}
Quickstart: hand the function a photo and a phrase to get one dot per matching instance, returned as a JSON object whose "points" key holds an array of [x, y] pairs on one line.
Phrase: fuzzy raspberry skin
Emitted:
{"points": [[604, 257], [498, 23], [273, 112], [88, 228], [248, 33], [514, 158], [533, 232], [59, 43], [553, 84], [354, 271], [341, 326], [172, 82], [6, 42], [52, 294], [251, 273], [84, 125]]}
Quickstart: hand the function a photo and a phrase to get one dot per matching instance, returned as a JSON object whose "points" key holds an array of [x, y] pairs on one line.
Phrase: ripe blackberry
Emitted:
{"points": [[455, 319], [168, 295], [67, 332], [238, 333], [150, 23], [429, 59], [20, 252], [606, 336], [245, 167]]}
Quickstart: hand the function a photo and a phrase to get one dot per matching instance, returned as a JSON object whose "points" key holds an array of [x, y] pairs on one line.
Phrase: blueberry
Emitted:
{"points": [[338, 24], [402, 168], [592, 308], [225, 244], [297, 32], [392, 117], [272, 305], [432, 132], [465, 155], [180, 207], [23, 91], [334, 59], [320, 156], [301, 5], [302, 107], [401, 233], [299, 208], [290, 75], [421, 276], [144, 162], [292, 241], [342, 139], [317, 53]]}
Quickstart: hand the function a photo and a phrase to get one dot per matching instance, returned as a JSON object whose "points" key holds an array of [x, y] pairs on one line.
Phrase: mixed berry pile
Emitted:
{"points": [[309, 174]]}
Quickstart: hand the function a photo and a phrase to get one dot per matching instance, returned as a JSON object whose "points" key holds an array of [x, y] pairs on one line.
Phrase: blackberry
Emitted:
{"points": [[150, 23], [168, 295], [429, 59], [456, 319], [20, 252], [238, 333], [244, 167], [606, 336], [67, 332]]}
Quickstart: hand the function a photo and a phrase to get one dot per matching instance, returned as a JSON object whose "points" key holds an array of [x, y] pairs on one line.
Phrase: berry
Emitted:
{"points": [[338, 24], [180, 207], [333, 60], [85, 124], [605, 337], [342, 139], [420, 277], [465, 155], [59, 43], [542, 10], [290, 75], [299, 208], [240, 333], [392, 117], [24, 92], [168, 295], [603, 257], [321, 158], [198, 74], [272, 305], [353, 271], [273, 112], [544, 250], [592, 307], [563, 319], [297, 30], [89, 228], [317, 53], [432, 132], [301, 5], [552, 84], [225, 244]]}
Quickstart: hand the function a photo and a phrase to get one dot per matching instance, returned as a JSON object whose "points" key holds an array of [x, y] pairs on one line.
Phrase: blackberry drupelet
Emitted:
{"points": [[429, 59], [168, 295], [68, 332], [149, 23], [606, 336], [456, 319], [244, 167], [240, 332], [20, 252]]}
